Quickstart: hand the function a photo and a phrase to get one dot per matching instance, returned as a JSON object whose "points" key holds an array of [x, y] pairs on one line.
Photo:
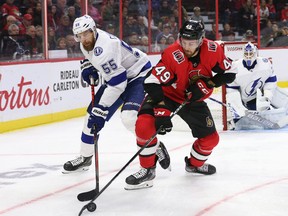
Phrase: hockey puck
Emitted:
{"points": [[91, 207]]}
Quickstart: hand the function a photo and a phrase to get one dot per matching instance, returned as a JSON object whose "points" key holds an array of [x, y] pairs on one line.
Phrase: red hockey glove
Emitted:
{"points": [[199, 89], [162, 118]]}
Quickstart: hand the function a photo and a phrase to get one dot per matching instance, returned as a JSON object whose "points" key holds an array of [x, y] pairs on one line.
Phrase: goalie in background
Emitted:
{"points": [[255, 91]]}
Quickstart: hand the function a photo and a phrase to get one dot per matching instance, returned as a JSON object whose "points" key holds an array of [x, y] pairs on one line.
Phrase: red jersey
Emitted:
{"points": [[174, 69]]}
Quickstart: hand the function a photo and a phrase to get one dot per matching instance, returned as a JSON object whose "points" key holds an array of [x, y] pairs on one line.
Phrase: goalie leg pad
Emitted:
{"points": [[235, 104], [280, 98], [145, 128]]}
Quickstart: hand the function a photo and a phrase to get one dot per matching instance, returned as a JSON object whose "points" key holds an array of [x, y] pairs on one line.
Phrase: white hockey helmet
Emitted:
{"points": [[250, 53], [82, 24]]}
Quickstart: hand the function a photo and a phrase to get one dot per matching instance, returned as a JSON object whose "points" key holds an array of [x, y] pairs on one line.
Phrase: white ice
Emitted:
{"points": [[251, 178]]}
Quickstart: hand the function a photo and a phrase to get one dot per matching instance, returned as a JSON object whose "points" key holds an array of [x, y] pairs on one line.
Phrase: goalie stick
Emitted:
{"points": [[267, 124], [92, 195]]}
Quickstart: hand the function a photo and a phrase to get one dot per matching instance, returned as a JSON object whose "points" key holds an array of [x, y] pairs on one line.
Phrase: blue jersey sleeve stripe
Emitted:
{"points": [[118, 79], [271, 79]]}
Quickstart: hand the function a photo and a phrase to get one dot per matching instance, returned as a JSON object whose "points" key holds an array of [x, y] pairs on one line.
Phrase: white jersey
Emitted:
{"points": [[248, 81], [118, 64]]}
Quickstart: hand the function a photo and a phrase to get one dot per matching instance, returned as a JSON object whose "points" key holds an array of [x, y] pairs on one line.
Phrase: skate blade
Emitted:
{"points": [[83, 169], [143, 185]]}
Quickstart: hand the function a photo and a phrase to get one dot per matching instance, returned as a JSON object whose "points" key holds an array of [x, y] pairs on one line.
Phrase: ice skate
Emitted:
{"points": [[141, 179], [163, 157], [77, 165], [206, 169]]}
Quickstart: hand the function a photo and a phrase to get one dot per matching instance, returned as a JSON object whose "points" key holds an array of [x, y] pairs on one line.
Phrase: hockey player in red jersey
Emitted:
{"points": [[184, 70]]}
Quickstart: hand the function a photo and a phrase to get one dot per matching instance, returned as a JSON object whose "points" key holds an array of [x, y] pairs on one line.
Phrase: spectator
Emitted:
{"points": [[165, 10], [153, 26], [272, 10], [263, 14], [165, 33], [110, 29], [71, 12], [143, 29], [64, 27], [61, 44], [173, 26], [109, 12], [133, 40], [247, 16], [52, 18], [9, 8], [266, 34], [144, 45], [39, 38], [73, 48], [281, 38], [10, 19], [170, 40], [284, 13], [77, 5], [248, 36], [211, 35], [51, 39], [31, 41], [37, 14], [26, 21], [95, 14], [61, 6], [10, 47], [228, 12], [274, 34], [160, 44], [227, 34], [130, 26], [197, 14]]}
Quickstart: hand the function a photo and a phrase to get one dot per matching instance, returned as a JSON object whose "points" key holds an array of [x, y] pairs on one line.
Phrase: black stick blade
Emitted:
{"points": [[86, 196]]}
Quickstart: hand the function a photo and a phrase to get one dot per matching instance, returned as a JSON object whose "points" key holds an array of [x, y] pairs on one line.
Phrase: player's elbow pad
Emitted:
{"points": [[220, 79]]}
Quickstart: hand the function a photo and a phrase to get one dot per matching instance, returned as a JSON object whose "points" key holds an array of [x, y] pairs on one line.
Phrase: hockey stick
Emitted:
{"points": [[249, 114], [95, 140], [90, 195]]}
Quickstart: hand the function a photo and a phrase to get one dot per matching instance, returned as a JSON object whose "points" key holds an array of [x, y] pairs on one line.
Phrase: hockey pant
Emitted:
{"points": [[145, 128], [130, 100]]}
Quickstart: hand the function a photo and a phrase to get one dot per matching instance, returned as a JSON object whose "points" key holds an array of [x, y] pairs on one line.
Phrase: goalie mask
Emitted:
{"points": [[250, 54], [192, 30], [83, 24]]}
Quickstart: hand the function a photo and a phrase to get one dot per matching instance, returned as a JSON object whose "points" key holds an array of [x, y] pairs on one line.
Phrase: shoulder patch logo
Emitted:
{"points": [[212, 46], [178, 56], [98, 51]]}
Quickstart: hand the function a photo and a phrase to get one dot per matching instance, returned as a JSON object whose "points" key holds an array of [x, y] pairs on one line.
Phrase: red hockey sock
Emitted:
{"points": [[145, 129]]}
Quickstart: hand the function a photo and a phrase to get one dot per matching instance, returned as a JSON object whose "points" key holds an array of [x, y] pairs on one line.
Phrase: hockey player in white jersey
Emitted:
{"points": [[255, 90], [122, 69]]}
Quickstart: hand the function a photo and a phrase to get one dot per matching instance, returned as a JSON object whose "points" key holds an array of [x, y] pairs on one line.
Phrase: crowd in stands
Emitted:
{"points": [[21, 32], [241, 15]]}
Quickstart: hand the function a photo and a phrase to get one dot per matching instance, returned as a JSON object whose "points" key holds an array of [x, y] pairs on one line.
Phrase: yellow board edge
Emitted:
{"points": [[42, 119], [282, 84]]}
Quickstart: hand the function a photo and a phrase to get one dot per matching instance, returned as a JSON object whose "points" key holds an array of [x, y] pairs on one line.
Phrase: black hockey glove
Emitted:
{"points": [[88, 70], [162, 118], [199, 89]]}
